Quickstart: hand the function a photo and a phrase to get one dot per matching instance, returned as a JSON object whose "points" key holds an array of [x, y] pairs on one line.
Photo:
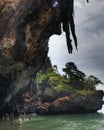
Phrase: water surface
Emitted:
{"points": [[59, 122]]}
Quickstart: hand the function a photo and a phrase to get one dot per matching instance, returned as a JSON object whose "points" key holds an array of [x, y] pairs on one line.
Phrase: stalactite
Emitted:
{"points": [[67, 11]]}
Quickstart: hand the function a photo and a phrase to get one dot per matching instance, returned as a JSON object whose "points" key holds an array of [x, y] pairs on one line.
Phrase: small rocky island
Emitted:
{"points": [[72, 92], [28, 82]]}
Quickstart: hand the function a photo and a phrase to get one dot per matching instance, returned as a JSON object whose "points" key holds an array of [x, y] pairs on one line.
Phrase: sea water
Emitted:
{"points": [[92, 121]]}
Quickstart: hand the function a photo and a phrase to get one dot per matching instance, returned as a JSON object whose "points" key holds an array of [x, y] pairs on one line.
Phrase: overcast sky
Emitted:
{"points": [[89, 20]]}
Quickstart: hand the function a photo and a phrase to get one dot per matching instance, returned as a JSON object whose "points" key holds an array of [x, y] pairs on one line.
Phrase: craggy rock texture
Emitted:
{"points": [[75, 103], [25, 28]]}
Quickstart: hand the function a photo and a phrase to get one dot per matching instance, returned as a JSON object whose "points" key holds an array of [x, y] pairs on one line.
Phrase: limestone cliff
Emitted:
{"points": [[25, 28]]}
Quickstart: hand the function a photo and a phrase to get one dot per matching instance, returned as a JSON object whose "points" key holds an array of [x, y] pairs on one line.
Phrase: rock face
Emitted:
{"points": [[75, 103], [25, 28]]}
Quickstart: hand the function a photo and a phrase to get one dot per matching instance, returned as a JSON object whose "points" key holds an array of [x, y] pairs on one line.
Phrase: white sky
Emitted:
{"points": [[89, 20]]}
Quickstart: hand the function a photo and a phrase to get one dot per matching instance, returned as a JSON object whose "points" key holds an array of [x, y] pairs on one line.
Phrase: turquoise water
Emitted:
{"points": [[59, 122]]}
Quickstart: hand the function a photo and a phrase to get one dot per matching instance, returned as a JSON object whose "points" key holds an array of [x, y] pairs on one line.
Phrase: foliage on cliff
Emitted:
{"points": [[73, 80]]}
